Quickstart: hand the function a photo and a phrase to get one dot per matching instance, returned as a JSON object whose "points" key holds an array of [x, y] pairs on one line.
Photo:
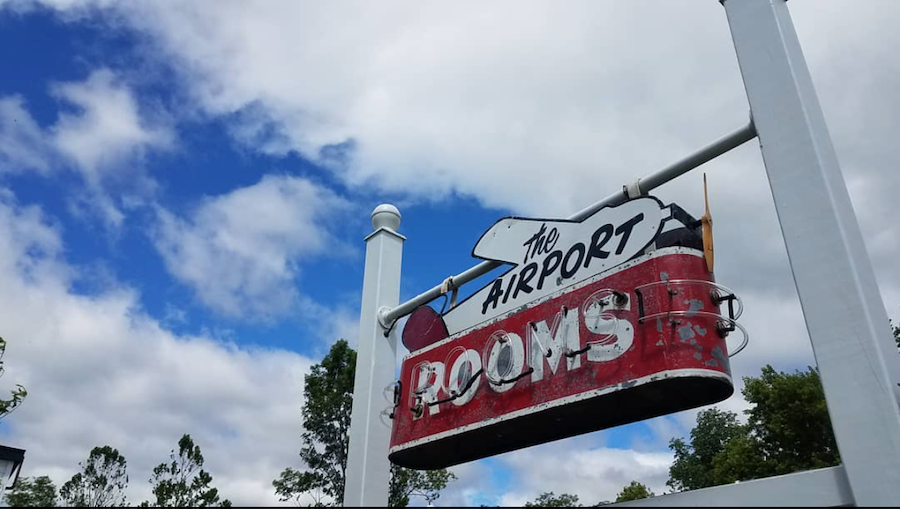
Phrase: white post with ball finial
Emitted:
{"points": [[368, 468]]}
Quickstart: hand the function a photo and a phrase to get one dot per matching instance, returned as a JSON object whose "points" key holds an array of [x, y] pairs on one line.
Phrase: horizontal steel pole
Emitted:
{"points": [[706, 154], [711, 151], [426, 297], [652, 181], [825, 487]]}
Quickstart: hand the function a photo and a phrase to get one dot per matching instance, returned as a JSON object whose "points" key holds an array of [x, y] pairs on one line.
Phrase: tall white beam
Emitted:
{"points": [[844, 313], [368, 469]]}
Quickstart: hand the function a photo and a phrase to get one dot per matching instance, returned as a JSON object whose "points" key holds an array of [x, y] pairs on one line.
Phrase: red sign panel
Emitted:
{"points": [[641, 340]]}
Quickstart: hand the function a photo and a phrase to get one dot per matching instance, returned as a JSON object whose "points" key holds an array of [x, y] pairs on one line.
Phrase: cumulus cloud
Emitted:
{"points": [[538, 109], [240, 252], [595, 474], [23, 145], [100, 133], [106, 128], [100, 371]]}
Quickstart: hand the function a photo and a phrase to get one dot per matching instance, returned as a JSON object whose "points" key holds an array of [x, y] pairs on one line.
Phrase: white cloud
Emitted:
{"points": [[540, 109], [342, 320], [22, 143], [240, 252], [105, 138], [107, 128], [594, 474], [101, 133], [100, 371], [472, 487]]}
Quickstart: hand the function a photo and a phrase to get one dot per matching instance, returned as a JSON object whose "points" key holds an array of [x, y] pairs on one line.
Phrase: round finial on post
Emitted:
{"points": [[386, 216]]}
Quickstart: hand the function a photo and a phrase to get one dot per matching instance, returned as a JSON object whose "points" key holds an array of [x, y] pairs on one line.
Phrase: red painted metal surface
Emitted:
{"points": [[423, 328], [677, 359]]}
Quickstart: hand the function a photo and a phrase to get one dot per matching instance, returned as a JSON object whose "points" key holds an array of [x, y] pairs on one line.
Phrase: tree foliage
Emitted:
{"points": [[550, 499], [18, 394], [693, 465], [634, 491], [36, 492], [787, 429], [100, 483], [790, 420], [326, 417], [427, 484], [183, 482], [896, 331], [293, 484], [328, 400]]}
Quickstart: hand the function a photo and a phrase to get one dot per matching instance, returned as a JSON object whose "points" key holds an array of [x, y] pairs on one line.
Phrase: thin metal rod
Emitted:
{"points": [[708, 153], [705, 154]]}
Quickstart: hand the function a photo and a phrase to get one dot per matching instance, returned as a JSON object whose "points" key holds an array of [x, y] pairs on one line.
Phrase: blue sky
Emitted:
{"points": [[205, 162], [184, 192]]}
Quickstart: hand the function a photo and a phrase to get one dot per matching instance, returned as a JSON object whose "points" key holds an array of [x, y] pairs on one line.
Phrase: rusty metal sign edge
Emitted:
{"points": [[664, 375]]}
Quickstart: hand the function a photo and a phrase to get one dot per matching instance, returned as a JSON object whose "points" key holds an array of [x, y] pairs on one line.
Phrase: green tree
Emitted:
{"points": [[693, 465], [788, 429], [424, 483], [37, 492], [328, 398], [550, 499], [790, 421], [18, 394], [292, 484], [896, 330], [183, 482], [100, 483], [634, 491]]}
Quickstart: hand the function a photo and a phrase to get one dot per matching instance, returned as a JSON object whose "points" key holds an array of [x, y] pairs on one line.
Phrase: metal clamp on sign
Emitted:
{"points": [[394, 389]]}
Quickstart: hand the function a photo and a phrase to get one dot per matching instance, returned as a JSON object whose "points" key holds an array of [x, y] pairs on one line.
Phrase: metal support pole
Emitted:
{"points": [[707, 153], [368, 469], [844, 313]]}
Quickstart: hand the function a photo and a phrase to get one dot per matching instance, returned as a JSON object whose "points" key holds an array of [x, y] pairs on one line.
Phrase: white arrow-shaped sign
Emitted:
{"points": [[550, 254]]}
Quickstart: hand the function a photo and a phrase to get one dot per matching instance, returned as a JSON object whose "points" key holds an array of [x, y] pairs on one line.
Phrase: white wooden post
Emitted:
{"points": [[844, 313], [368, 469]]}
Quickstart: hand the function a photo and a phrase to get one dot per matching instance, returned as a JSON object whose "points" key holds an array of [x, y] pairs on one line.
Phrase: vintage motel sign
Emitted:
{"points": [[600, 323]]}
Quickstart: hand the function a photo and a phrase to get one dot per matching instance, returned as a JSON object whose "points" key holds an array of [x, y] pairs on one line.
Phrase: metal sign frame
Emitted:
{"points": [[856, 356]]}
